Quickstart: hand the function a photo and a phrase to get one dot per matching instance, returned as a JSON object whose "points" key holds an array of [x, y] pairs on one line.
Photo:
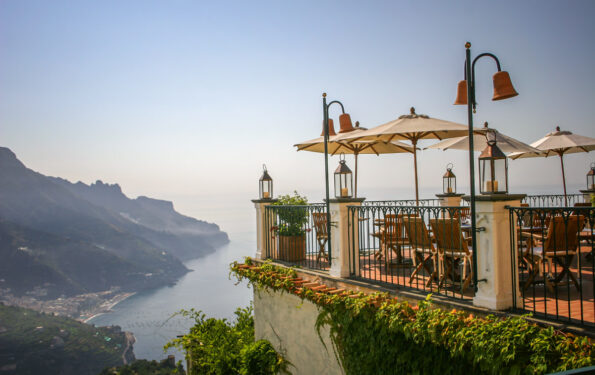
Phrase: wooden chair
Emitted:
{"points": [[452, 249], [422, 246], [392, 237], [319, 219], [559, 247]]}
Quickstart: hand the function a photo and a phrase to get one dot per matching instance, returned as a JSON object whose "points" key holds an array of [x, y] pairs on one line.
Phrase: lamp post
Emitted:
{"points": [[345, 122], [503, 89]]}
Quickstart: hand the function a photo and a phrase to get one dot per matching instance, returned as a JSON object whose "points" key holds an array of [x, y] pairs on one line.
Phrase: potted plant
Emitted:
{"points": [[291, 231]]}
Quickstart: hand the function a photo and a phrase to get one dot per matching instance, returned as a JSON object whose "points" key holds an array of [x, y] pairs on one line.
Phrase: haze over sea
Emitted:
{"points": [[208, 287]]}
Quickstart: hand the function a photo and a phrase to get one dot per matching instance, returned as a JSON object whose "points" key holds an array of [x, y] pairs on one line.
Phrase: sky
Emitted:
{"points": [[183, 98]]}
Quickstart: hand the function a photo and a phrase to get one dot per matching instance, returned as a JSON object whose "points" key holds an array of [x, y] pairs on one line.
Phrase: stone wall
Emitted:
{"points": [[289, 324]]}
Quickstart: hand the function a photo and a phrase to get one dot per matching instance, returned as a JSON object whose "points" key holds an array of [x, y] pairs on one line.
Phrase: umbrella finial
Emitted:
{"points": [[412, 110], [357, 124], [485, 124], [557, 128]]}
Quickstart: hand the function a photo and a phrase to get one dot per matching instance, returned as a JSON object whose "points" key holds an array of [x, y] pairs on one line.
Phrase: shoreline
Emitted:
{"points": [[107, 306]]}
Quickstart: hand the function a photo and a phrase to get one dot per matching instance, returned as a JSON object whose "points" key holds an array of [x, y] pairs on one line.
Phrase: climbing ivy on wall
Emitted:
{"points": [[377, 334]]}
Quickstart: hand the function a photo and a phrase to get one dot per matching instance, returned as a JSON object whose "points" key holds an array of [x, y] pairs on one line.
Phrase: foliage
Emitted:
{"points": [[382, 335], [292, 219], [39, 343], [144, 367], [217, 346]]}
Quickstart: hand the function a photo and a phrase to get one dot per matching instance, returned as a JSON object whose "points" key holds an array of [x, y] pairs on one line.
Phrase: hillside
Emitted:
{"points": [[35, 343], [72, 238]]}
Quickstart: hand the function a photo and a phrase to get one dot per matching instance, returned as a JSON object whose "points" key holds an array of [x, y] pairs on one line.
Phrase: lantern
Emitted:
{"points": [[265, 184], [449, 181], [343, 180], [591, 178], [493, 168]]}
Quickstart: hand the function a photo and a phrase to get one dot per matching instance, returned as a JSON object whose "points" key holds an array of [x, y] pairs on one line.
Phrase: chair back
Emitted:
{"points": [[319, 219], [562, 233], [417, 232], [448, 235], [464, 213], [393, 227]]}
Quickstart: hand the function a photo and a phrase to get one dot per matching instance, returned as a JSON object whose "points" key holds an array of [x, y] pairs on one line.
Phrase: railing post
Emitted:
{"points": [[494, 256], [340, 234], [262, 229]]}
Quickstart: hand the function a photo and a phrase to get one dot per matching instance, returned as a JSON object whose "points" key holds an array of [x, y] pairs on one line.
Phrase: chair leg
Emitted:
{"points": [[566, 270]]}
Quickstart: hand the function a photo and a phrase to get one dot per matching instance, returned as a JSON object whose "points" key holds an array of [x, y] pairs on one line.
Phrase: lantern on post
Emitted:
{"points": [[449, 181], [343, 180], [265, 184], [493, 168], [591, 178]]}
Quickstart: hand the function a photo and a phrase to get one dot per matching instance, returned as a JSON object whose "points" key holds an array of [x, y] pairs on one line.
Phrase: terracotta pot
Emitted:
{"points": [[292, 248]]}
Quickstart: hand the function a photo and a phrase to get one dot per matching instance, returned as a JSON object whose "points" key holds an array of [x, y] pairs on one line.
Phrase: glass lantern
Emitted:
{"points": [[493, 168], [343, 180], [591, 178], [449, 181], [265, 184]]}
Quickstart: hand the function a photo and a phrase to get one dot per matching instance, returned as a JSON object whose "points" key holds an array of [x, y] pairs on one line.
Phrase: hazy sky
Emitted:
{"points": [[192, 97]]}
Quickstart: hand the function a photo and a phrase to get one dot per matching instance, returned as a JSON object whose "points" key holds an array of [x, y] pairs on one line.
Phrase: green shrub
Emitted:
{"points": [[291, 219], [218, 347]]}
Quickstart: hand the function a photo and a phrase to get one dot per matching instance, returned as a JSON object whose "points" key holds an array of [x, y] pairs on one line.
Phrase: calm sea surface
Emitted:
{"points": [[208, 287]]}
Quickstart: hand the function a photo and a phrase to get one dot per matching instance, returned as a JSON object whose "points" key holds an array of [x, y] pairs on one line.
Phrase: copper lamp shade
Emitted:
{"points": [[331, 128], [461, 93], [503, 88], [346, 124]]}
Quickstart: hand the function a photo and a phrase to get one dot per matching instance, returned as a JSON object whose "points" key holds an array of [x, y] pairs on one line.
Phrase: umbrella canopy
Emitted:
{"points": [[411, 127], [505, 143], [337, 146], [558, 142]]}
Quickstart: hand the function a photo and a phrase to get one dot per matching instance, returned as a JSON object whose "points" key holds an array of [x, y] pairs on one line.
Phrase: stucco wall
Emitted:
{"points": [[289, 324]]}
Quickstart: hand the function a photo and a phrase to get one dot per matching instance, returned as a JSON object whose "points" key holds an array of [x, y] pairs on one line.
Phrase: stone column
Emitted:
{"points": [[587, 195], [263, 229], [494, 255], [340, 235], [450, 200]]}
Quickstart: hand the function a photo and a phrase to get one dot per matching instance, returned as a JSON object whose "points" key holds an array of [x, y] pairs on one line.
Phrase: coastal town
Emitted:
{"points": [[82, 307]]}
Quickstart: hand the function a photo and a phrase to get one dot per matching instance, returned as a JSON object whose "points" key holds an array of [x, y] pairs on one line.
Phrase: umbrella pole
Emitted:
{"points": [[414, 142], [563, 178], [355, 194]]}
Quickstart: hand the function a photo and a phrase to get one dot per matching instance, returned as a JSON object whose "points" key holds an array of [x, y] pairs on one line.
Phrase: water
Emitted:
{"points": [[207, 287]]}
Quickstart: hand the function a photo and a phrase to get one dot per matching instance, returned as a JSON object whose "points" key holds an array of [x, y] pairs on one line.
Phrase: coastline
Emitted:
{"points": [[107, 306]]}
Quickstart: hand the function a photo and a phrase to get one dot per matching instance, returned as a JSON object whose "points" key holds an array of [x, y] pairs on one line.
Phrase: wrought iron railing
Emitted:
{"points": [[422, 248], [404, 202], [552, 200], [297, 235], [552, 250]]}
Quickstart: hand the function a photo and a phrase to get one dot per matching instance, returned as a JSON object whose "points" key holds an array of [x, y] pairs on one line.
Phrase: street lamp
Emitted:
{"points": [[503, 89], [345, 123]]}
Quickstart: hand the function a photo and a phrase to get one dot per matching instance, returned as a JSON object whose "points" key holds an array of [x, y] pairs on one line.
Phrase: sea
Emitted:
{"points": [[150, 315]]}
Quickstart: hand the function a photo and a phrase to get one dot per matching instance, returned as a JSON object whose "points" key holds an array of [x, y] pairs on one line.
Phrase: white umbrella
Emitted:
{"points": [[337, 146], [412, 127], [558, 142], [505, 143]]}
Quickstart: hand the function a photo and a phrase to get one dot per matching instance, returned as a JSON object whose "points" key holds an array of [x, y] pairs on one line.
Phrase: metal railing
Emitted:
{"points": [[404, 202], [552, 251], [552, 200], [422, 248], [297, 235]]}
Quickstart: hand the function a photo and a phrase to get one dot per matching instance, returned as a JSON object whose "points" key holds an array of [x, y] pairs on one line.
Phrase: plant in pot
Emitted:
{"points": [[292, 214]]}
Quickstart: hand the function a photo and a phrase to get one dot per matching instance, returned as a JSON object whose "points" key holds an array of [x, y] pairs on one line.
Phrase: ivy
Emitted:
{"points": [[377, 334]]}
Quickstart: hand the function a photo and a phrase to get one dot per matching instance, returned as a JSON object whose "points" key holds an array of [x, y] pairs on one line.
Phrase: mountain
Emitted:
{"points": [[36, 343], [80, 238]]}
